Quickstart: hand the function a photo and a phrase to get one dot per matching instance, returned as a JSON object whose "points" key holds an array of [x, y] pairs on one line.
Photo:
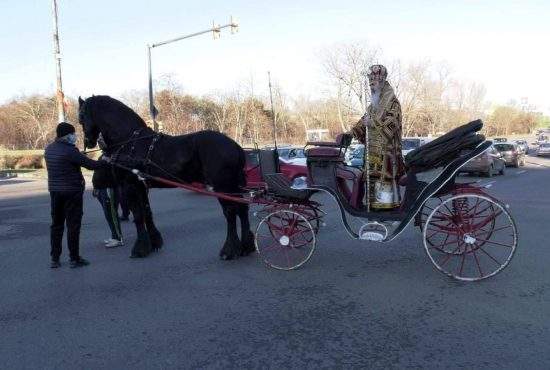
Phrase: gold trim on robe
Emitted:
{"points": [[385, 157]]}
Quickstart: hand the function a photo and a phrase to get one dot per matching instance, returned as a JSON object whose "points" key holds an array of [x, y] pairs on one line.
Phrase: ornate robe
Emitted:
{"points": [[385, 159]]}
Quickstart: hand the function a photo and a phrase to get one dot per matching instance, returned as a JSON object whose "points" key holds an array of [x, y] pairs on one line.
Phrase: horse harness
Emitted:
{"points": [[132, 140]]}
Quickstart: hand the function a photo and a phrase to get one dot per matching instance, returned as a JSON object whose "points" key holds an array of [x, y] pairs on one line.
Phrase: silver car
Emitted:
{"points": [[543, 149]]}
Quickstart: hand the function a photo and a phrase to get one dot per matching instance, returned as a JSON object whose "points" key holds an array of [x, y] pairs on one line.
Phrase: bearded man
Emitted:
{"points": [[383, 157]]}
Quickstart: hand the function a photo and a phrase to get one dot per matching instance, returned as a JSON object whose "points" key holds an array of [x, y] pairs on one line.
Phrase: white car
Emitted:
{"points": [[293, 155], [408, 144], [543, 149]]}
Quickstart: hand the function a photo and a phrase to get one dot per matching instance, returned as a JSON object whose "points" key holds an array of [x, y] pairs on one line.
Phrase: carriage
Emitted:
{"points": [[467, 234]]}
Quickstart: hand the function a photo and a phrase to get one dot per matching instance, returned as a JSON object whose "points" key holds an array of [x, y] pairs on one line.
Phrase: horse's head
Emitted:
{"points": [[89, 126]]}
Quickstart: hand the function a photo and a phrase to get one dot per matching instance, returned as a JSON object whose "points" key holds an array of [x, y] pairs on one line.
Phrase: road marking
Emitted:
{"points": [[520, 172], [489, 184]]}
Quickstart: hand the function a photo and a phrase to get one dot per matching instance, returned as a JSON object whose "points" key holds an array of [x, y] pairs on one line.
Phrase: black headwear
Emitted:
{"points": [[63, 129]]}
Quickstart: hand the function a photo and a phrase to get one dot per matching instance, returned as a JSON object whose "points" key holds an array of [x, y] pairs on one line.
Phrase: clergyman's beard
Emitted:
{"points": [[375, 95]]}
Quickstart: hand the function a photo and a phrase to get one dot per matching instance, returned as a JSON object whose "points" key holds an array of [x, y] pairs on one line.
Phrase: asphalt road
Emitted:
{"points": [[354, 304]]}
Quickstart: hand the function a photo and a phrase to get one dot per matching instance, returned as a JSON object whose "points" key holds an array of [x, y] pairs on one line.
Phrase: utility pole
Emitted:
{"points": [[215, 33], [274, 119], [57, 56]]}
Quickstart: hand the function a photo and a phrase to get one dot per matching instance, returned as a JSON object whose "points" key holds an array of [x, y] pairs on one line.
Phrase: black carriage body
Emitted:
{"points": [[444, 155]]}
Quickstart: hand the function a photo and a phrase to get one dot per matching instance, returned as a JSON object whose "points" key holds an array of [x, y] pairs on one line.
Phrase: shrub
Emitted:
{"points": [[14, 160], [32, 161]]}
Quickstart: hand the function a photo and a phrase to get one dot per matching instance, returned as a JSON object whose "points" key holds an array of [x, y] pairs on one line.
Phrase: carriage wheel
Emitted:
{"points": [[312, 214], [427, 208], [470, 237], [285, 239]]}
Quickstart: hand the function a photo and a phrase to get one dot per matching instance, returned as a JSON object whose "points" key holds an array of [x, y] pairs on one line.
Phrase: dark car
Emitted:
{"points": [[500, 140], [488, 163], [523, 145], [511, 153]]}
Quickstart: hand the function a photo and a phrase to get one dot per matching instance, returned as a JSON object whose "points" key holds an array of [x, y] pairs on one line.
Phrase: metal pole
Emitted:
{"points": [[152, 109], [215, 30], [367, 152], [272, 111], [57, 56]]}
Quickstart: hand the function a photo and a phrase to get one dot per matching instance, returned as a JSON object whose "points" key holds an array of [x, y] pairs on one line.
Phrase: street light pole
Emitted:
{"points": [[273, 117], [57, 55], [215, 32]]}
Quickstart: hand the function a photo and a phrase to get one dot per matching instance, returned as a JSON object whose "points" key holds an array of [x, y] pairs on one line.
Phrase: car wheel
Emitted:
{"points": [[490, 171]]}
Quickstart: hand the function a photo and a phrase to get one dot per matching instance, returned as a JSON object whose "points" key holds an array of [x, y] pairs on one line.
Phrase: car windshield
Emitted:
{"points": [[283, 153], [297, 153], [545, 145], [410, 144], [504, 147]]}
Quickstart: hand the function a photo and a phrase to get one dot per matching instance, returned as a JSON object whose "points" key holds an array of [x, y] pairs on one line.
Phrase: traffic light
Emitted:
{"points": [[215, 31], [234, 26]]}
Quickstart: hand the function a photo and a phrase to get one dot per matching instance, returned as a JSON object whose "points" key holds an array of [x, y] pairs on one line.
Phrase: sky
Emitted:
{"points": [[503, 44]]}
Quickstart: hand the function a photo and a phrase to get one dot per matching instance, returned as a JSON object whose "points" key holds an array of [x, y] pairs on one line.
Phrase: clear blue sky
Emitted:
{"points": [[503, 44]]}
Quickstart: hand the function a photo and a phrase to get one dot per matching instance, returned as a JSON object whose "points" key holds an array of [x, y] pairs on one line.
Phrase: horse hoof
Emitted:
{"points": [[226, 257], [156, 241]]}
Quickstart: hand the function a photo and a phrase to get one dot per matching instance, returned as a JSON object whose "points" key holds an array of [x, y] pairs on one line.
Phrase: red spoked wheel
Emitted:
{"points": [[285, 239], [427, 208], [470, 237]]}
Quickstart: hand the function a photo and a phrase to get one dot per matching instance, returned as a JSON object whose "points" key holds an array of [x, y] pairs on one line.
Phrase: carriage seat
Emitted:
{"points": [[269, 162], [276, 182], [325, 152]]}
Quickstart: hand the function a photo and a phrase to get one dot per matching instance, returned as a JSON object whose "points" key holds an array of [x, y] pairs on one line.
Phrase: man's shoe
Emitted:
{"points": [[112, 243], [79, 262], [55, 264]]}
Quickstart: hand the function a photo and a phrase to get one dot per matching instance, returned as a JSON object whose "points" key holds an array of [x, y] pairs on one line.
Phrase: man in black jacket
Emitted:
{"points": [[66, 187]]}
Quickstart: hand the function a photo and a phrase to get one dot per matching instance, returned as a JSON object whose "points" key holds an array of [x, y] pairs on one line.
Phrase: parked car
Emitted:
{"points": [[350, 150], [293, 172], [543, 149], [357, 157], [500, 140], [488, 163], [408, 144], [523, 145], [293, 155], [511, 153]]}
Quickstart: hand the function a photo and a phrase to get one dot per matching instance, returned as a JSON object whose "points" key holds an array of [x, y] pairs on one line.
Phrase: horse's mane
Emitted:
{"points": [[101, 102]]}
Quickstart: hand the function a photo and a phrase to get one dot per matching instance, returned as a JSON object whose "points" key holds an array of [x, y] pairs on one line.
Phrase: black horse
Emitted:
{"points": [[206, 157]]}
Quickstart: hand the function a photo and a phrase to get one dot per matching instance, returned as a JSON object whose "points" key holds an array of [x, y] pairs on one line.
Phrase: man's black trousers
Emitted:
{"points": [[66, 209]]}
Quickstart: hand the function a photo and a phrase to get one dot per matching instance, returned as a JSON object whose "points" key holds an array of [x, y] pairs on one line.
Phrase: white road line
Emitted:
{"points": [[489, 184], [520, 172]]}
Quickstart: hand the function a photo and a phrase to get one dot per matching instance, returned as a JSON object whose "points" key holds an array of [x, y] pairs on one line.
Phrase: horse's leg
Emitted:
{"points": [[142, 246], [154, 234], [232, 245], [247, 237]]}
